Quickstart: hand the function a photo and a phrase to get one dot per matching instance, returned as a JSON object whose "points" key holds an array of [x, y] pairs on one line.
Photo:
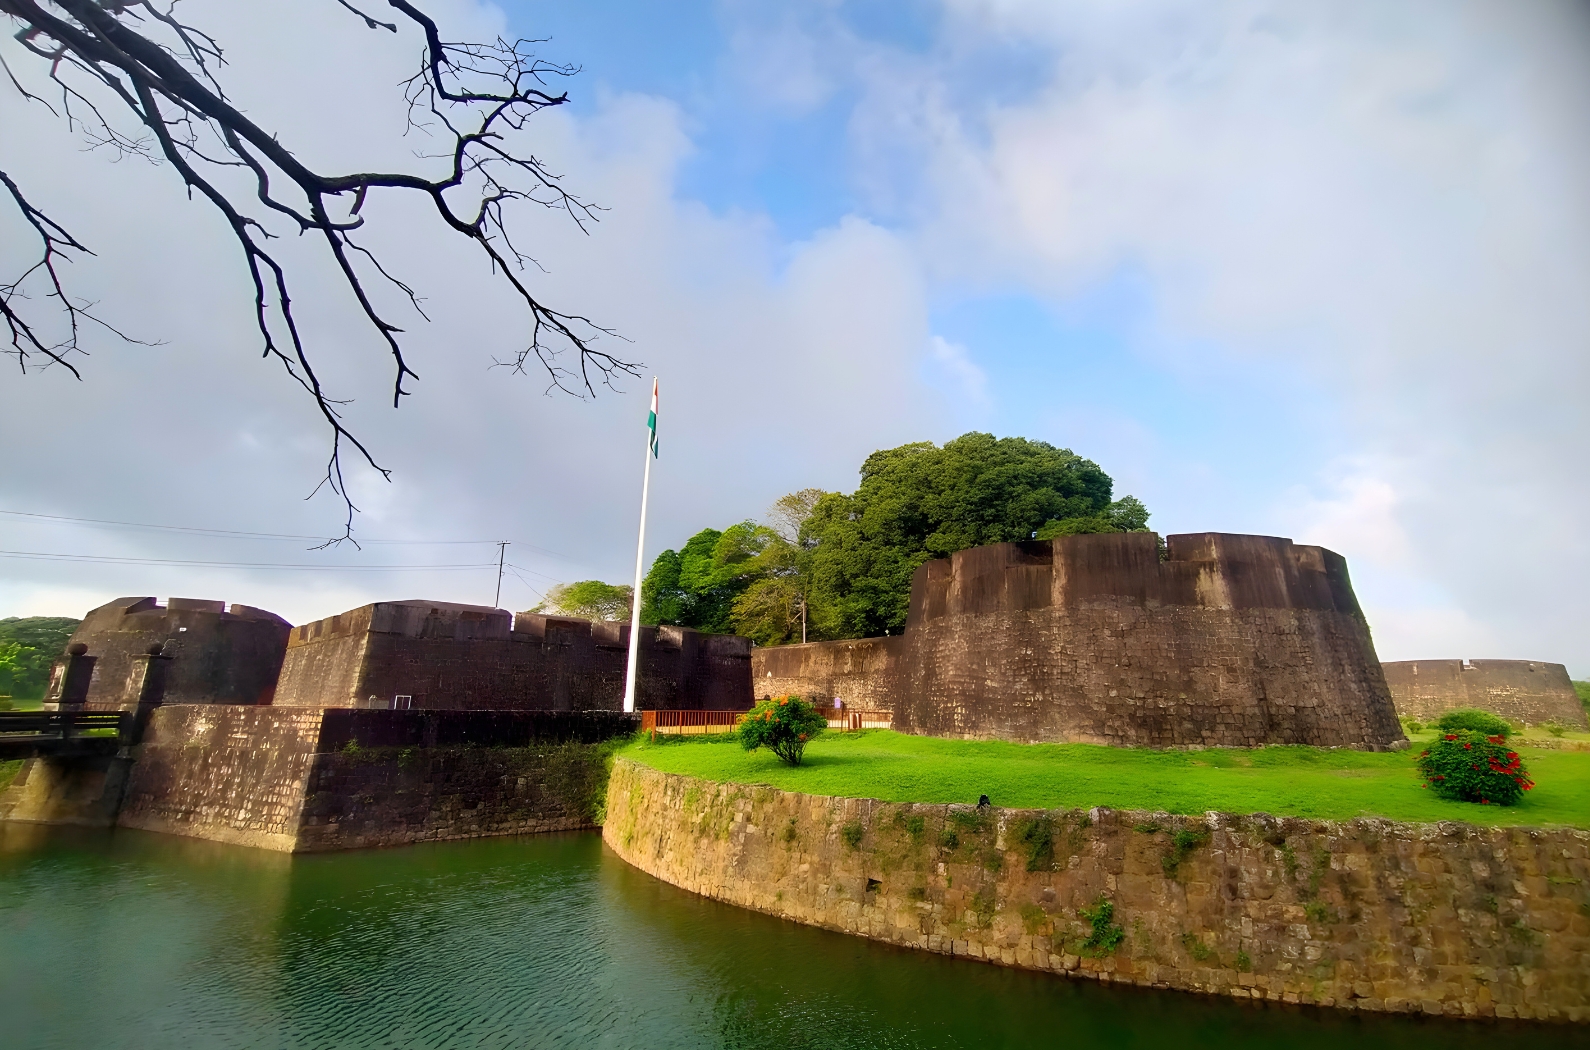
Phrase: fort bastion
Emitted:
{"points": [[216, 654], [1528, 691], [1222, 640]]}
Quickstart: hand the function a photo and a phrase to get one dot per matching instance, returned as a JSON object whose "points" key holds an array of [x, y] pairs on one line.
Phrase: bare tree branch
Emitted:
{"points": [[164, 74]]}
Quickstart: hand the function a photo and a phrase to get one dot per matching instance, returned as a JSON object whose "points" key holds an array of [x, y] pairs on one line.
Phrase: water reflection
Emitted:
{"points": [[138, 940]]}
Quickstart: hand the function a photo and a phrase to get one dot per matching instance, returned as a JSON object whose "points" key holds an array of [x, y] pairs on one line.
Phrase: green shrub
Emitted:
{"points": [[1181, 846], [1196, 947], [852, 833], [1106, 935], [1554, 727], [1474, 720], [784, 726], [949, 839], [1037, 840], [1411, 725], [1467, 766]]}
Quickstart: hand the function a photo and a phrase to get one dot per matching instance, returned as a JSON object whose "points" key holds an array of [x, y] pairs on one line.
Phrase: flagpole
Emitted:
{"points": [[640, 559]]}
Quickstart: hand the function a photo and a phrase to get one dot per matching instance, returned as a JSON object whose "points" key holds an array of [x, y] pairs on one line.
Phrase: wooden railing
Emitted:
{"points": [[703, 723], [689, 723], [25, 733], [861, 720]]}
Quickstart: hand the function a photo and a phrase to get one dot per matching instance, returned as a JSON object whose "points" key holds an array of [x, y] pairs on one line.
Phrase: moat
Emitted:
{"points": [[131, 939]]}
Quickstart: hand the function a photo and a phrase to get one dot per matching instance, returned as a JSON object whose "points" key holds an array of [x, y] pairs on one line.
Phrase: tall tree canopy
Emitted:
{"points": [[697, 586], [919, 502], [845, 562]]}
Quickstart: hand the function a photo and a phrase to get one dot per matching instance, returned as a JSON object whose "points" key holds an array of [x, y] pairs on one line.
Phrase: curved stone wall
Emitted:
{"points": [[1528, 691], [1364, 915], [220, 655], [1226, 640]]}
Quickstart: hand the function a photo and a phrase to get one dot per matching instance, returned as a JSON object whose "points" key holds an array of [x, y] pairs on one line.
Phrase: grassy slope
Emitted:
{"points": [[1294, 781]]}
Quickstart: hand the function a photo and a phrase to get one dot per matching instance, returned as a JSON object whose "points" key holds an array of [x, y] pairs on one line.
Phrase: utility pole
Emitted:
{"points": [[502, 550]]}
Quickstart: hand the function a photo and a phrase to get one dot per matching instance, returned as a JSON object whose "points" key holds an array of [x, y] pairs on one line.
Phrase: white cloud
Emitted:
{"points": [[781, 365], [1390, 200], [1359, 514], [959, 371]]}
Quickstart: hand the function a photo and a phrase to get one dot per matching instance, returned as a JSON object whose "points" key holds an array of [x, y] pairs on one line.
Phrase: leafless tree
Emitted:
{"points": [[109, 57]]}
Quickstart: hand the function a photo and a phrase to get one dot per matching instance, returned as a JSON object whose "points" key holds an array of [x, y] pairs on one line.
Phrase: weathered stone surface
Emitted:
{"points": [[84, 790], [1365, 914], [445, 656], [306, 779], [1527, 691], [219, 655], [1231, 640]]}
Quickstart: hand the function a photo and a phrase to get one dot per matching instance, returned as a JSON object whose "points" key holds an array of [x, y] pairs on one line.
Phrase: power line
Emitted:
{"points": [[239, 534], [103, 560]]}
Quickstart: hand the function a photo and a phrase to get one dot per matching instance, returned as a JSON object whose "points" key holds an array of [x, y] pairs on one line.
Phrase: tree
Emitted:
{"points": [[919, 502], [697, 586], [784, 726], [588, 600], [749, 578], [136, 59], [33, 643]]}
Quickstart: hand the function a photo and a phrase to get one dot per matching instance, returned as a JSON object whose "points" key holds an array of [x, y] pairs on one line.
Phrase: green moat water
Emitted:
{"points": [[134, 940]]}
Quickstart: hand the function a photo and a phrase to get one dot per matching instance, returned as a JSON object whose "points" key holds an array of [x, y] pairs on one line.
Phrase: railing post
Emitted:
{"points": [[70, 678]]}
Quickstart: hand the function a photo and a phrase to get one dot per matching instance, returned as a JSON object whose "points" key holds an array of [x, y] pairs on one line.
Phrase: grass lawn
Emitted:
{"points": [[1290, 781]]}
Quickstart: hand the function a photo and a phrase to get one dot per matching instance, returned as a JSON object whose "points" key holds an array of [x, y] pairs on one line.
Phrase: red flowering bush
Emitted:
{"points": [[1469, 766], [784, 725]]}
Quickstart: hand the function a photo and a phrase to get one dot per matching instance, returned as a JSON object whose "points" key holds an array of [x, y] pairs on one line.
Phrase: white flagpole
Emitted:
{"points": [[640, 568]]}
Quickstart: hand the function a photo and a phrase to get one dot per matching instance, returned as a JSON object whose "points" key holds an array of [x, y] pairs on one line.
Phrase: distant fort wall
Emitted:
{"points": [[219, 655], [437, 655], [1229, 640], [1528, 691]]}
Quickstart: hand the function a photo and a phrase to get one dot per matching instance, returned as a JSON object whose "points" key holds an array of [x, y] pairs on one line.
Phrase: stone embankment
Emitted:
{"points": [[308, 779], [1366, 914]]}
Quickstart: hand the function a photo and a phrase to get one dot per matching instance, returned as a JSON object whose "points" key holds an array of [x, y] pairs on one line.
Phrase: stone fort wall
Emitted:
{"points": [[438, 655], [1528, 691], [1370, 915], [1229, 640], [220, 655], [305, 780]]}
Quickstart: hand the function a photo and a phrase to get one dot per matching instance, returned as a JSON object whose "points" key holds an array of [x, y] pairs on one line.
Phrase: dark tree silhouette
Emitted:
{"points": [[107, 57]]}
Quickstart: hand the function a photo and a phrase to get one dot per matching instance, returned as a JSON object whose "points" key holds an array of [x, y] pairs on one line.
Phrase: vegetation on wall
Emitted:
{"points": [[840, 565], [28, 647]]}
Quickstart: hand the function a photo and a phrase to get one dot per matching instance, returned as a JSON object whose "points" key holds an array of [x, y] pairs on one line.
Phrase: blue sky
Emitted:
{"points": [[1306, 269]]}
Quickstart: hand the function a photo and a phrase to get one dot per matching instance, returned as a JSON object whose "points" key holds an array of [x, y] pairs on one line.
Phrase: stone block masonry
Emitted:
{"points": [[1528, 691], [1227, 640], [436, 655], [1371, 915], [304, 779], [219, 655]]}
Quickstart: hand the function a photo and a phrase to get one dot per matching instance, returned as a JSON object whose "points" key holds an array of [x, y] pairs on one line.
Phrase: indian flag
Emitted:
{"points": [[651, 420]]}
